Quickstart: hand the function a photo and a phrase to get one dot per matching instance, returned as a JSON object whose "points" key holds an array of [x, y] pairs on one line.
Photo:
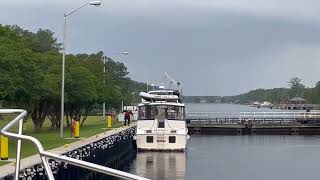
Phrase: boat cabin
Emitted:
{"points": [[170, 111]]}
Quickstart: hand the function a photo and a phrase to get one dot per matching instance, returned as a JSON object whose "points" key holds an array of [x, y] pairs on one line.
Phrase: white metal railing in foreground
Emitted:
{"points": [[45, 155]]}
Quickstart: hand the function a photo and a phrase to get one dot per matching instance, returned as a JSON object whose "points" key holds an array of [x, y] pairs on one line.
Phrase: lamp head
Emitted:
{"points": [[95, 3]]}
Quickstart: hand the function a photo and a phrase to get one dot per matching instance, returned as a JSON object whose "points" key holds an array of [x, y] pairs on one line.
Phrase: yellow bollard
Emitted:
{"points": [[4, 155], [77, 129], [109, 122]]}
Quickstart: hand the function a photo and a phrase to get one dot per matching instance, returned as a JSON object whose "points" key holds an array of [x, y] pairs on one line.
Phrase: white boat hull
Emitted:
{"points": [[171, 138], [161, 142]]}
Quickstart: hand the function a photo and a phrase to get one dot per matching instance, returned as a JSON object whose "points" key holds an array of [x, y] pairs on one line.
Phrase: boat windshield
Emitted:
{"points": [[150, 112]]}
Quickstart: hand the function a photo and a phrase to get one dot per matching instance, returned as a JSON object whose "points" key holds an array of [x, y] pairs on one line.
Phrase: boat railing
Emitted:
{"points": [[256, 115], [45, 155]]}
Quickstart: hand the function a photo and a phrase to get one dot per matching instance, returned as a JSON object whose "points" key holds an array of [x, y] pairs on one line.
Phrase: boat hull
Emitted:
{"points": [[161, 142]]}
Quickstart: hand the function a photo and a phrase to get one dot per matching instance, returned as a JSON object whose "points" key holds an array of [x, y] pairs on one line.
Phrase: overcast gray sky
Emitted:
{"points": [[214, 47]]}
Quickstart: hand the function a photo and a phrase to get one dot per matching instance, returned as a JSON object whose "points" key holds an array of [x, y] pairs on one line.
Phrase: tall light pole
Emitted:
{"points": [[94, 3], [104, 58]]}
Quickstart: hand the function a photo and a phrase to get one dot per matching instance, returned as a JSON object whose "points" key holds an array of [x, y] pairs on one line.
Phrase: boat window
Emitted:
{"points": [[175, 112], [172, 139], [147, 112], [161, 124], [149, 139], [171, 112]]}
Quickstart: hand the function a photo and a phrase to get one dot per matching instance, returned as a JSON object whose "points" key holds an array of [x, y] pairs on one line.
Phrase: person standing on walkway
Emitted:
{"points": [[127, 116]]}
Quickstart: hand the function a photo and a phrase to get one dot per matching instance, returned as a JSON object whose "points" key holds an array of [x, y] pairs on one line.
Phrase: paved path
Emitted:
{"points": [[33, 160]]}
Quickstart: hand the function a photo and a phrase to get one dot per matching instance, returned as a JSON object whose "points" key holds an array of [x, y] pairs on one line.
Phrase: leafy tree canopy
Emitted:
{"points": [[30, 77]]}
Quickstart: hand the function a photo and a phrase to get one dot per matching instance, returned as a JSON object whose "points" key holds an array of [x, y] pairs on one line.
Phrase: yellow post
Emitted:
{"points": [[4, 149], [77, 129], [109, 122]]}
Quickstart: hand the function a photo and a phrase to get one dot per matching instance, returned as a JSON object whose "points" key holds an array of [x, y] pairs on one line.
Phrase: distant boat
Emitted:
{"points": [[255, 104], [203, 101], [266, 104]]}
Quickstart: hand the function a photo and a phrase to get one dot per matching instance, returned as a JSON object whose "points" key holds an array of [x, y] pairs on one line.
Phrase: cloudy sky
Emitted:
{"points": [[214, 47]]}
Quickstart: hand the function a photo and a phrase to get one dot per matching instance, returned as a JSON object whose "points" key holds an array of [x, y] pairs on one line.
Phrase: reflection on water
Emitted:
{"points": [[234, 157], [253, 157], [159, 165]]}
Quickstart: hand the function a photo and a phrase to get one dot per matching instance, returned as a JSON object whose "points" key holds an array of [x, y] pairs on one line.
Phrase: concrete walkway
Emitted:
{"points": [[33, 160]]}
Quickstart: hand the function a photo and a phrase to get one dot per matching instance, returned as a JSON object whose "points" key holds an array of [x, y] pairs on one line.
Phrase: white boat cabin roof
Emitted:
{"points": [[159, 103], [163, 91]]}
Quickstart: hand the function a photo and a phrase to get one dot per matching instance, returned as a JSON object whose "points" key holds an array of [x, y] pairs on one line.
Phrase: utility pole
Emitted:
{"points": [[104, 58]]}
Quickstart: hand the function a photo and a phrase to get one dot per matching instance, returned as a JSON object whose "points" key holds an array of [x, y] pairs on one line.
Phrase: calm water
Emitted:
{"points": [[233, 157]]}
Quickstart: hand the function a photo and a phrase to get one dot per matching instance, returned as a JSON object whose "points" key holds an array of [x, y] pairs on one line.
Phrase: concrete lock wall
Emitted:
{"points": [[111, 151]]}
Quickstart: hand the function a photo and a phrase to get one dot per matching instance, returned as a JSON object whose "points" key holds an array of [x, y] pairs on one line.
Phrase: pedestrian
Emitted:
{"points": [[73, 125], [127, 116]]}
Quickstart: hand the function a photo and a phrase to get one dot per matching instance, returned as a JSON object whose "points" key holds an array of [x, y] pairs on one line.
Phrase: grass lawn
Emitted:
{"points": [[51, 138]]}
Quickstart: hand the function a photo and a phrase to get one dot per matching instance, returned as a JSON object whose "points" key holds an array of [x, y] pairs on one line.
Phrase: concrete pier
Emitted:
{"points": [[71, 150]]}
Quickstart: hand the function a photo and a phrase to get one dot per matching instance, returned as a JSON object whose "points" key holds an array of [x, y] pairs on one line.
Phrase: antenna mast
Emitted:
{"points": [[174, 81]]}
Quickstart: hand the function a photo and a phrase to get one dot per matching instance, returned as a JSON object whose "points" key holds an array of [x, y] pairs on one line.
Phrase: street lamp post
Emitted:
{"points": [[94, 3], [104, 58]]}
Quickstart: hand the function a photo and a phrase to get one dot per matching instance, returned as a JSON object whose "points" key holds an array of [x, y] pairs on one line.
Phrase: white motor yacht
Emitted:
{"points": [[161, 121]]}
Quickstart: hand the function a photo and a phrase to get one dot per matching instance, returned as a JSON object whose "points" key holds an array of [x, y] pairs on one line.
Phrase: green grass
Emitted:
{"points": [[51, 138]]}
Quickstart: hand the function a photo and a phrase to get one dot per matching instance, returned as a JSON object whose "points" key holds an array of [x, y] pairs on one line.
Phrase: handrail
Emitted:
{"points": [[45, 155], [255, 114]]}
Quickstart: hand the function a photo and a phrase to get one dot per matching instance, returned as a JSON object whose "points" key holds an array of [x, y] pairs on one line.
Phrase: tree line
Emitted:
{"points": [[30, 78], [276, 95]]}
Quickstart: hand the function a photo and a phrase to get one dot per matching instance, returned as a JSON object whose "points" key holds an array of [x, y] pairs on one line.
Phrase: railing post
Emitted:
{"points": [[18, 157]]}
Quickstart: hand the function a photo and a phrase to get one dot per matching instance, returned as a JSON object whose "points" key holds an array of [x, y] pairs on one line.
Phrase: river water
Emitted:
{"points": [[233, 157]]}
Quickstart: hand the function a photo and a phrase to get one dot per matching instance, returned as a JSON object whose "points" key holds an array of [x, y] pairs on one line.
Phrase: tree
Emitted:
{"points": [[296, 87], [81, 91], [315, 93], [25, 79], [30, 77]]}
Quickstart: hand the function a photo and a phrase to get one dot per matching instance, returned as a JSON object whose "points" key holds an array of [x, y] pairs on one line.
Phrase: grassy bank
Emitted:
{"points": [[51, 138]]}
